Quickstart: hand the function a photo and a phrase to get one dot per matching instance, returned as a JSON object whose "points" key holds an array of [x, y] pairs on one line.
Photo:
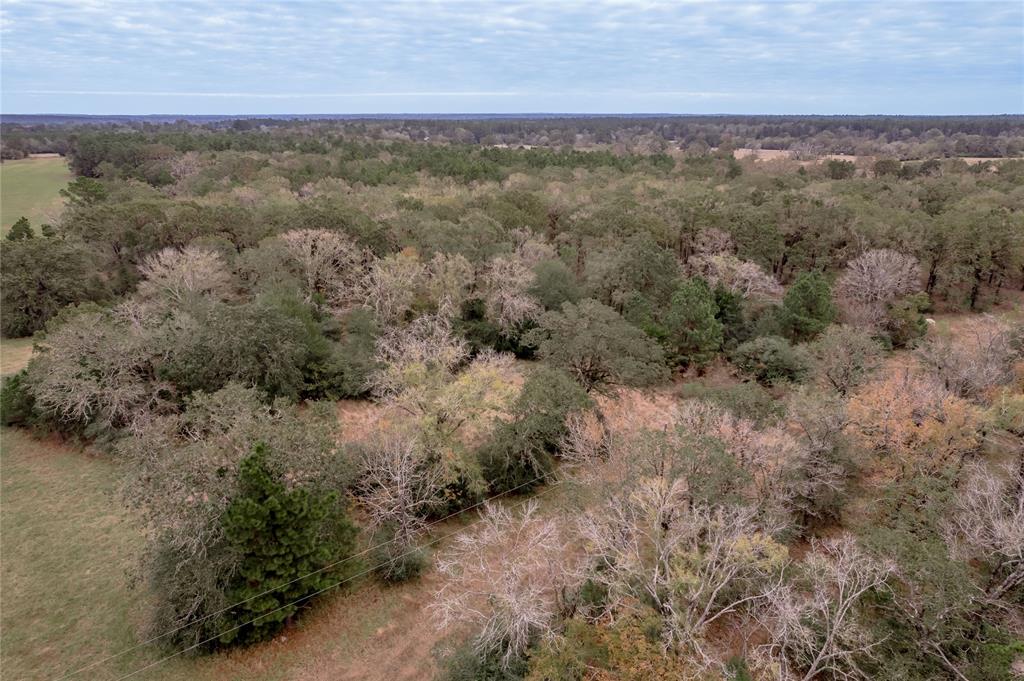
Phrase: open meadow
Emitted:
{"points": [[30, 188]]}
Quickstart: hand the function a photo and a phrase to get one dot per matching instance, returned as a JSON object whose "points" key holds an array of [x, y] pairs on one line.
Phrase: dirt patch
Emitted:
{"points": [[14, 355], [359, 419]]}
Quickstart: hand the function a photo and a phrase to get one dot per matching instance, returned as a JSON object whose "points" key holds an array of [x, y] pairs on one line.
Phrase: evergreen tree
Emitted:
{"points": [[284, 536], [807, 308], [20, 230], [694, 333], [735, 328]]}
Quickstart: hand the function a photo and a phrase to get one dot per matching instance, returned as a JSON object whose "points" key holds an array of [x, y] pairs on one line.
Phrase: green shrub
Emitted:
{"points": [[38, 278], [396, 561], [904, 322], [522, 450], [771, 360], [465, 663], [16, 402], [730, 314], [746, 400], [554, 284]]}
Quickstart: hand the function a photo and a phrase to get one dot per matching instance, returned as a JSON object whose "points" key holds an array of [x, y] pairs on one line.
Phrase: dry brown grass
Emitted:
{"points": [[14, 355]]}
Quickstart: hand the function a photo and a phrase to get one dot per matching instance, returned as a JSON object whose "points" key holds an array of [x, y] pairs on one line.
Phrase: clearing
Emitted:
{"points": [[31, 187], [14, 354]]}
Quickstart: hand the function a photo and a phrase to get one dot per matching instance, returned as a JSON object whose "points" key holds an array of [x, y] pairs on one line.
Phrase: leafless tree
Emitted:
{"points": [[814, 628], [175, 275], [508, 577], [529, 249], [988, 525], [814, 476], [696, 564], [739, 276], [96, 368], [871, 281], [449, 280], [397, 488], [506, 282], [712, 241], [185, 165], [978, 358], [428, 341], [845, 357], [330, 263], [879, 276], [763, 453], [391, 286]]}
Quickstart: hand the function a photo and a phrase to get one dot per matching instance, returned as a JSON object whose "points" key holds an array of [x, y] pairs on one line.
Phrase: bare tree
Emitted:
{"points": [[712, 241], [449, 280], [391, 286], [977, 359], [879, 276], [873, 280], [428, 341], [331, 264], [814, 628], [988, 526], [845, 357], [695, 564], [739, 276], [506, 282], [175, 275], [397, 488], [422, 377], [815, 478], [763, 453], [96, 368], [185, 165], [508, 577]]}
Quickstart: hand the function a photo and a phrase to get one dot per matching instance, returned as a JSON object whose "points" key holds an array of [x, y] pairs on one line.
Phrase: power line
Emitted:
{"points": [[317, 593], [297, 579]]}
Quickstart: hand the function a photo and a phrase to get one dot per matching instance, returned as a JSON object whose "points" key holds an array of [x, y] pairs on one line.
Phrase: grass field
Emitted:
{"points": [[31, 187], [68, 548]]}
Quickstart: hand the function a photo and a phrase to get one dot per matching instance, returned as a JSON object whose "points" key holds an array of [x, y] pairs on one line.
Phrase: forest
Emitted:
{"points": [[603, 398]]}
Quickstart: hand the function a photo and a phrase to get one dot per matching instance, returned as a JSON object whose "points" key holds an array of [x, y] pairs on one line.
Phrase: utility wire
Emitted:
{"points": [[297, 579], [317, 593]]}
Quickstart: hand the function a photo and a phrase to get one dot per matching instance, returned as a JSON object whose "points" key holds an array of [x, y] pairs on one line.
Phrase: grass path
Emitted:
{"points": [[31, 187], [14, 354]]}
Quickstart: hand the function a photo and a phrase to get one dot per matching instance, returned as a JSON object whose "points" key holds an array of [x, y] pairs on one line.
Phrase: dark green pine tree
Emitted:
{"points": [[283, 535], [807, 308], [20, 230], [694, 332]]}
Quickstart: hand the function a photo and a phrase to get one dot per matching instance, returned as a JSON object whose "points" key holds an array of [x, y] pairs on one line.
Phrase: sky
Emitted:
{"points": [[597, 56]]}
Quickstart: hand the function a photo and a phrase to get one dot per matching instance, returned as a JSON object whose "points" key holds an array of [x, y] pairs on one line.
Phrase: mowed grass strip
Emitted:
{"points": [[30, 187], [67, 548]]}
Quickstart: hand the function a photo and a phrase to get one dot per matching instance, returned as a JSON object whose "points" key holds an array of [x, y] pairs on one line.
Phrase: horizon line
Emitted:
{"points": [[526, 114]]}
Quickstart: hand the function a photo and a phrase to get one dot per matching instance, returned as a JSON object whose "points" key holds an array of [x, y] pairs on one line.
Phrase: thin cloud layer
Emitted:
{"points": [[265, 57]]}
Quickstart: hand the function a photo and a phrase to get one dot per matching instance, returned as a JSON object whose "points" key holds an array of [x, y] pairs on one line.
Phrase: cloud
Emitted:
{"points": [[750, 55]]}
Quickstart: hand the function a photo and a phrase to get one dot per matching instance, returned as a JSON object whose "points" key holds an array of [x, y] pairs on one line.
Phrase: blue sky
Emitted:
{"points": [[173, 56]]}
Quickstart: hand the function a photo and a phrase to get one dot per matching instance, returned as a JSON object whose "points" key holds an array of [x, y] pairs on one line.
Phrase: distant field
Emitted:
{"points": [[31, 187], [773, 154]]}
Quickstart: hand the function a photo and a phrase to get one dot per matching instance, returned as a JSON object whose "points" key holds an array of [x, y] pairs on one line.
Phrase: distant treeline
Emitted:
{"points": [[903, 137]]}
